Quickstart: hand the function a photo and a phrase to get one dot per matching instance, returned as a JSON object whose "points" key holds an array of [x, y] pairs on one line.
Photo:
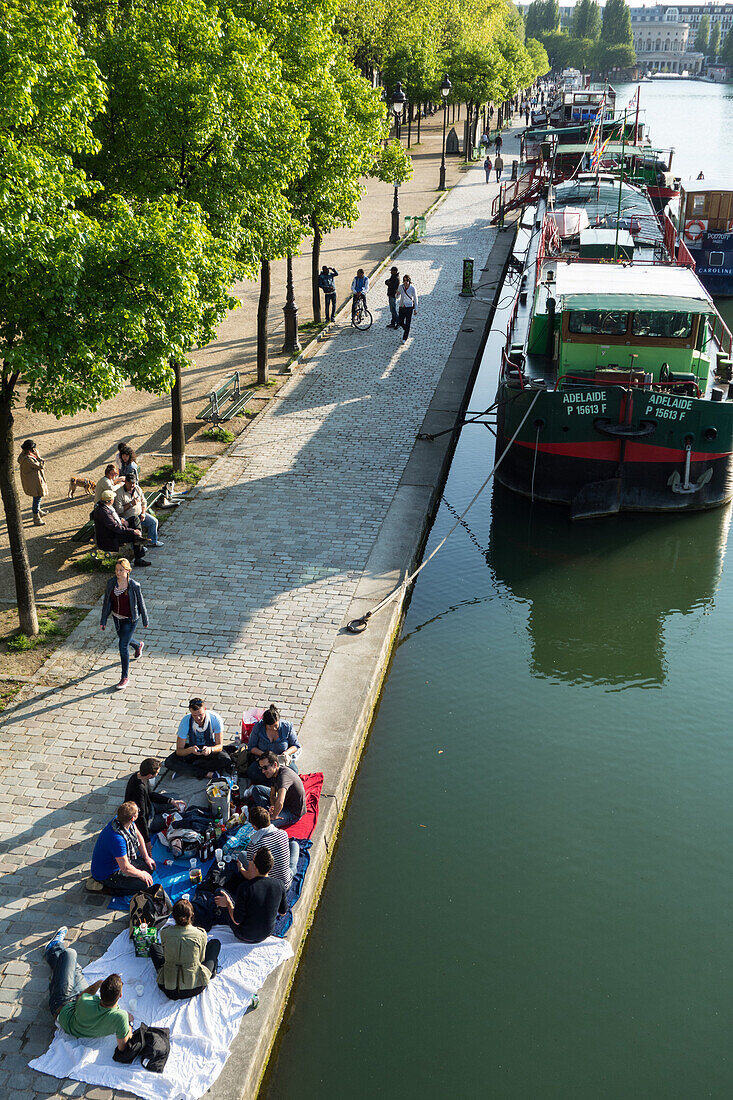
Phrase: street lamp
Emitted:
{"points": [[445, 89], [398, 102]]}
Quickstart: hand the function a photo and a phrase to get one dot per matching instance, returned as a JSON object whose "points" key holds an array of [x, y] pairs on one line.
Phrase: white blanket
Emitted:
{"points": [[201, 1029]]}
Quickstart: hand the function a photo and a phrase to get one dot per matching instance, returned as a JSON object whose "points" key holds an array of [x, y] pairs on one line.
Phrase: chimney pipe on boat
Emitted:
{"points": [[550, 351]]}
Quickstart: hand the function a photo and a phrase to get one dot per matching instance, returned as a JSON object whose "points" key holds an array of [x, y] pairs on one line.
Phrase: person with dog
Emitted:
{"points": [[75, 1005], [200, 743], [185, 962], [131, 504], [111, 531], [123, 599], [252, 912], [33, 479], [120, 860]]}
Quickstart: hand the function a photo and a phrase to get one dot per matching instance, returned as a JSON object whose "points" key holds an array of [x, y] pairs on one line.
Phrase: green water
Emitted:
{"points": [[531, 897]]}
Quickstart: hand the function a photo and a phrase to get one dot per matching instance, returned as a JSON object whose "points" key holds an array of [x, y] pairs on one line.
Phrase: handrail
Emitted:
{"points": [[585, 380], [506, 363], [722, 334]]}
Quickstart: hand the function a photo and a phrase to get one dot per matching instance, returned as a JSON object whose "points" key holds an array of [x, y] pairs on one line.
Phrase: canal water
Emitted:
{"points": [[531, 895]]}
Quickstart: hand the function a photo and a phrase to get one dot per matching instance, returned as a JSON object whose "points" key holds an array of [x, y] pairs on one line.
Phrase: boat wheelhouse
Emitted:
{"points": [[704, 219], [608, 398]]}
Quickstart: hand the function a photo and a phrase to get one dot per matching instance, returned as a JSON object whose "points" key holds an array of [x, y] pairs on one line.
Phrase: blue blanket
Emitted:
{"points": [[283, 923]]}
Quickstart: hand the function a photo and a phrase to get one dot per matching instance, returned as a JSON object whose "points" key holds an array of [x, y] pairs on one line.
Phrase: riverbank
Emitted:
{"points": [[307, 520]]}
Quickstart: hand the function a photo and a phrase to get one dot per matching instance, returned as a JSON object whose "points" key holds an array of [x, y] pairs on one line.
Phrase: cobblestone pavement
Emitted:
{"points": [[245, 602]]}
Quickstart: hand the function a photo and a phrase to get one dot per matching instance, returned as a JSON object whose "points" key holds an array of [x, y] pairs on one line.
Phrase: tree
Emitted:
{"points": [[616, 29], [538, 54], [714, 42], [586, 21], [703, 34], [727, 51], [542, 16], [613, 57]]}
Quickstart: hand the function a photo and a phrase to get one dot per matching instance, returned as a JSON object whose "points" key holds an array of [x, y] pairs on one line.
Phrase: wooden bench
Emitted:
{"points": [[85, 533], [225, 402]]}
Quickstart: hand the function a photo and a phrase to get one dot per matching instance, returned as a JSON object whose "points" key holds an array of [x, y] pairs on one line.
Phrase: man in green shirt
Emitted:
{"points": [[77, 1009]]}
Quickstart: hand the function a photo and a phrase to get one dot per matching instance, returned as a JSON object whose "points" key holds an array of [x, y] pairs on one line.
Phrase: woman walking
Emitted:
{"points": [[32, 478], [123, 598]]}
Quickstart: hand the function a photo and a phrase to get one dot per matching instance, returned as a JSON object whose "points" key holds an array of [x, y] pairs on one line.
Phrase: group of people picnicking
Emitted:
{"points": [[248, 900]]}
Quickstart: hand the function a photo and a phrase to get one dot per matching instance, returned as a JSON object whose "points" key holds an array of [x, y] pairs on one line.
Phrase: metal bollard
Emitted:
{"points": [[467, 288]]}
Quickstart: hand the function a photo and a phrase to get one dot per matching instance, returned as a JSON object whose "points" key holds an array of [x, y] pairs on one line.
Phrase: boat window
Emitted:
{"points": [[670, 326], [717, 259], [600, 322], [698, 204]]}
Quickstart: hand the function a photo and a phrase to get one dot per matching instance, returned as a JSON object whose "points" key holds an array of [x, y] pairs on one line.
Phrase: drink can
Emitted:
{"points": [[255, 1001]]}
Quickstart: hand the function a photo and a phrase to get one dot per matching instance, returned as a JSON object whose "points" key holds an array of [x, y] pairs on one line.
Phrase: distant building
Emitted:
{"points": [[661, 38]]}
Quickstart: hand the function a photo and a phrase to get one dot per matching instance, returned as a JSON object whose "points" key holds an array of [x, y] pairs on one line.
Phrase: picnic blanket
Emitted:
{"points": [[283, 923], [201, 1029], [303, 829]]}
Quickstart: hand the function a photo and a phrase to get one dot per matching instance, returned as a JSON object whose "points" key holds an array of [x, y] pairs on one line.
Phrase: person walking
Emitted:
{"points": [[32, 479], [393, 288], [407, 306], [499, 143], [123, 599], [327, 285], [499, 166], [487, 168]]}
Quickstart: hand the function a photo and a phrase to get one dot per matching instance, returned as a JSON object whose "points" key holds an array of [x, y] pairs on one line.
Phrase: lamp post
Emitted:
{"points": [[398, 102], [291, 344], [445, 89]]}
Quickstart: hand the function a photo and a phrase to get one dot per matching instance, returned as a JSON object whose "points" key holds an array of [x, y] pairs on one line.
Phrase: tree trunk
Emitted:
{"points": [[467, 132], [419, 112], [178, 436], [11, 501], [263, 306], [315, 269]]}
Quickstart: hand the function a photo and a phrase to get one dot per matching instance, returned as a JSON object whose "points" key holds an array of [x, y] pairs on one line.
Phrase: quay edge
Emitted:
{"points": [[347, 694]]}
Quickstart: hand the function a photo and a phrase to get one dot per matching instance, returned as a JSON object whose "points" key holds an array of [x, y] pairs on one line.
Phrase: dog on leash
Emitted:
{"points": [[84, 483]]}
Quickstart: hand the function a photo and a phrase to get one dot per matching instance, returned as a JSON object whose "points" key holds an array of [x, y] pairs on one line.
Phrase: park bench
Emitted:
{"points": [[86, 532], [225, 402]]}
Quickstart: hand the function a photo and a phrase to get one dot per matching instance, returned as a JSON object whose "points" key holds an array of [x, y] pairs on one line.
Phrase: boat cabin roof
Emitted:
{"points": [[613, 148], [700, 187], [626, 287]]}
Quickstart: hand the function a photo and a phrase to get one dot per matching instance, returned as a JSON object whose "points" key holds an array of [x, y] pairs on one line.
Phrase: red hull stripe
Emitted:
{"points": [[610, 451]]}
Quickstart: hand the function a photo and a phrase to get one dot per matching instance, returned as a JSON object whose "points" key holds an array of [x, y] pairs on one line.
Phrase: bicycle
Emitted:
{"points": [[361, 318]]}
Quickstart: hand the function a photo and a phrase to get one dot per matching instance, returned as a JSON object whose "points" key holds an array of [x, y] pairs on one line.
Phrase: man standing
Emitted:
{"points": [[76, 1008], [281, 792], [499, 143], [327, 285], [151, 805], [499, 166], [393, 286], [408, 306], [252, 914], [120, 861]]}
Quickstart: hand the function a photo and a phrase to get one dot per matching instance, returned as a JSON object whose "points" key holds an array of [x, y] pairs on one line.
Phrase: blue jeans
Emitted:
{"points": [[125, 629], [36, 505], [330, 304], [294, 856], [67, 980], [149, 524], [260, 796], [393, 310]]}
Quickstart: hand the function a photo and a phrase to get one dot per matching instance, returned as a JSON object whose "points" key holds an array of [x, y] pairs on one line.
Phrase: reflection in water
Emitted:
{"points": [[600, 592]]}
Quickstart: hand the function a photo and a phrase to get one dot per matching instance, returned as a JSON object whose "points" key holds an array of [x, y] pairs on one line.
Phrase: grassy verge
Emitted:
{"points": [[219, 435], [21, 655], [190, 476]]}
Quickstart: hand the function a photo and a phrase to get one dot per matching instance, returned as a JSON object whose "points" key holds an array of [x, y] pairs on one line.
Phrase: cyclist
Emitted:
{"points": [[359, 290]]}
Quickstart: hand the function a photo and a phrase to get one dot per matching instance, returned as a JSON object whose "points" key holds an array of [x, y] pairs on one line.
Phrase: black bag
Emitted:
{"points": [[150, 906], [151, 1045], [205, 912]]}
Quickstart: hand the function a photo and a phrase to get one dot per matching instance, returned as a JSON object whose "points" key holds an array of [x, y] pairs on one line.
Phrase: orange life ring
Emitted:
{"points": [[689, 227]]}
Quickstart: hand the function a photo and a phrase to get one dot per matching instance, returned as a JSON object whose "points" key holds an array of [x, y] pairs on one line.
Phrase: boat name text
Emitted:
{"points": [[591, 402]]}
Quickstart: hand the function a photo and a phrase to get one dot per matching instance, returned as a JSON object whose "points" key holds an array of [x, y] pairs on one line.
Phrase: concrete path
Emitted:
{"points": [[246, 605]]}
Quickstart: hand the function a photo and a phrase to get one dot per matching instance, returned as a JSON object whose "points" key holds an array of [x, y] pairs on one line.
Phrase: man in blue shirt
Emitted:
{"points": [[326, 283], [200, 743], [120, 861], [359, 288]]}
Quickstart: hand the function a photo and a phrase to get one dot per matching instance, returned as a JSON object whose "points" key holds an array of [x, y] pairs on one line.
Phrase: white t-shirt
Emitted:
{"points": [[407, 297]]}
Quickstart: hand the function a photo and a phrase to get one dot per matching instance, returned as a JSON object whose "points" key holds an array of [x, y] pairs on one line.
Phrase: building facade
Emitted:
{"points": [[661, 39]]}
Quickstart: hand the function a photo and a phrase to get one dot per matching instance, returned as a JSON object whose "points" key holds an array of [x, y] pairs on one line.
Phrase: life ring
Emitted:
{"points": [[690, 232]]}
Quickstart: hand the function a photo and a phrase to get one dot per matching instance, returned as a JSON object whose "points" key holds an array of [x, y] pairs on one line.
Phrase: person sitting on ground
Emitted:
{"points": [[200, 743], [285, 852], [271, 734], [183, 959], [280, 791], [131, 504], [359, 290], [111, 532], [120, 861], [152, 806], [75, 1005], [252, 913], [108, 483]]}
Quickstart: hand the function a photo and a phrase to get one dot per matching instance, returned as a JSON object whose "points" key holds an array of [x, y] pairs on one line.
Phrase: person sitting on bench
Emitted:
{"points": [[111, 532], [185, 962], [75, 1005], [200, 743], [120, 861]]}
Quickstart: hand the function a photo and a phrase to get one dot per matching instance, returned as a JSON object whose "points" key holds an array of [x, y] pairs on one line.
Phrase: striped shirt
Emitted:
{"points": [[277, 841]]}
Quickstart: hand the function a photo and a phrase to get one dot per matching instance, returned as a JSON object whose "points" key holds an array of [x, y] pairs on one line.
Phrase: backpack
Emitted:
{"points": [[150, 906]]}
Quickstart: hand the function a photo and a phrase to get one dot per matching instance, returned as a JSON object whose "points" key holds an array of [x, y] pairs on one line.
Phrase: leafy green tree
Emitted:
{"points": [[616, 29], [608, 58], [538, 54], [561, 49], [586, 21], [714, 42], [543, 16], [703, 34], [552, 15], [727, 51]]}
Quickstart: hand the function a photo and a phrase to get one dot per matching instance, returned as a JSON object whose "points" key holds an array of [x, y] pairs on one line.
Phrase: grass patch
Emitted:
{"points": [[96, 563], [219, 435], [48, 629], [7, 692], [312, 326], [190, 475]]}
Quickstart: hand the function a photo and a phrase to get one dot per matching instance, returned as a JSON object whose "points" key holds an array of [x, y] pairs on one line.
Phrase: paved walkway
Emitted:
{"points": [[245, 607]]}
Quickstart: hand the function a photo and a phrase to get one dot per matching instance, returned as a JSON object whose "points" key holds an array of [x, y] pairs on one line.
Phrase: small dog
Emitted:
{"points": [[84, 483]]}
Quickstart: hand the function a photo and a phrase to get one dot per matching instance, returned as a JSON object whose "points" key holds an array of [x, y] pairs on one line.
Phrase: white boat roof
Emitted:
{"points": [[629, 286], [696, 187], [606, 236]]}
